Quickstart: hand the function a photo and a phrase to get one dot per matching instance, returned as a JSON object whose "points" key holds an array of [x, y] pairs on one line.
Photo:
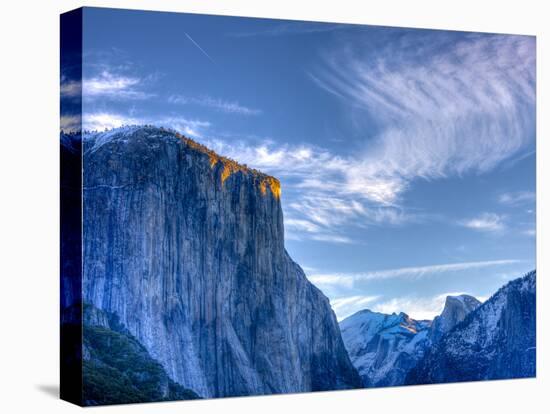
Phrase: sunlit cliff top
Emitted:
{"points": [[230, 166]]}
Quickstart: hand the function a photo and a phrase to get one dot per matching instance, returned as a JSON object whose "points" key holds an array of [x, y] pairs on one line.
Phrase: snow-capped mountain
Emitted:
{"points": [[384, 348], [495, 341]]}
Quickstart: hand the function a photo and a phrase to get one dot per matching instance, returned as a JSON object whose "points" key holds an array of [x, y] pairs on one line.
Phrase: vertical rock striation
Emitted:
{"points": [[117, 369], [186, 248]]}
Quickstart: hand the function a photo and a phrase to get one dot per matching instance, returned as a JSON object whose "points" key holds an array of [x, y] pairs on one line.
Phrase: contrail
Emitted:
{"points": [[200, 48]]}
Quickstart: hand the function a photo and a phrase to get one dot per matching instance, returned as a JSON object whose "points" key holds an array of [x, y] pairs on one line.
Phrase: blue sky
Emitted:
{"points": [[406, 157]]}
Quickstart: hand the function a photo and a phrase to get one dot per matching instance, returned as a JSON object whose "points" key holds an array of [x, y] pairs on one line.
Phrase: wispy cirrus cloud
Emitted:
{"points": [[441, 107], [218, 104], [300, 229], [115, 86], [324, 196], [323, 215], [346, 306], [485, 222], [349, 279], [105, 84], [517, 198], [352, 292]]}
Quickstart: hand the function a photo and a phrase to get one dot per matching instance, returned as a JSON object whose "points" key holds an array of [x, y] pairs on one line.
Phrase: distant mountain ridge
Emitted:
{"points": [[495, 341], [384, 348], [468, 341]]}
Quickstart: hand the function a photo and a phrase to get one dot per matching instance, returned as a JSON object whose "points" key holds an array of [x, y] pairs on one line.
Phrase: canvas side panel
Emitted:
{"points": [[71, 207]]}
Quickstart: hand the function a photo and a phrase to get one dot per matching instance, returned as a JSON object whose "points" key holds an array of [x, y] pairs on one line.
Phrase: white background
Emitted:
{"points": [[29, 205]]}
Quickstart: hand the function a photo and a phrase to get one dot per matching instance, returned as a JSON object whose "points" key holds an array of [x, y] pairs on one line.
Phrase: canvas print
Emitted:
{"points": [[257, 206]]}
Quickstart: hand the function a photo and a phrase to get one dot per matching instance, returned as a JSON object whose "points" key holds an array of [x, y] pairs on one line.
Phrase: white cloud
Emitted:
{"points": [[323, 203], [300, 229], [189, 127], [302, 225], [485, 222], [530, 232], [439, 110], [419, 308], [322, 280], [361, 300], [415, 307], [515, 198], [346, 306], [442, 109], [70, 123], [218, 104], [327, 211], [70, 88], [99, 121], [349, 279], [326, 194], [114, 86], [331, 238]]}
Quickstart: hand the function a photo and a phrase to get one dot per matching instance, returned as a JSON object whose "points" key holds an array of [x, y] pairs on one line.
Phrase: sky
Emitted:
{"points": [[406, 156]]}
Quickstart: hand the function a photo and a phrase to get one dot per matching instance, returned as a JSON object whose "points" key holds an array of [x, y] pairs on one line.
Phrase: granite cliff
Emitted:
{"points": [[455, 311], [186, 248], [118, 369]]}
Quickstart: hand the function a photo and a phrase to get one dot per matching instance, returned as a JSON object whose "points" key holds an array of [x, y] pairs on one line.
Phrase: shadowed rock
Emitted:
{"points": [[455, 310], [495, 341], [384, 348], [186, 248]]}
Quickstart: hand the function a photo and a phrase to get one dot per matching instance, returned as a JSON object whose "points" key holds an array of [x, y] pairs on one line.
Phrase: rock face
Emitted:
{"points": [[117, 369], [186, 248], [384, 348], [455, 310], [495, 341]]}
